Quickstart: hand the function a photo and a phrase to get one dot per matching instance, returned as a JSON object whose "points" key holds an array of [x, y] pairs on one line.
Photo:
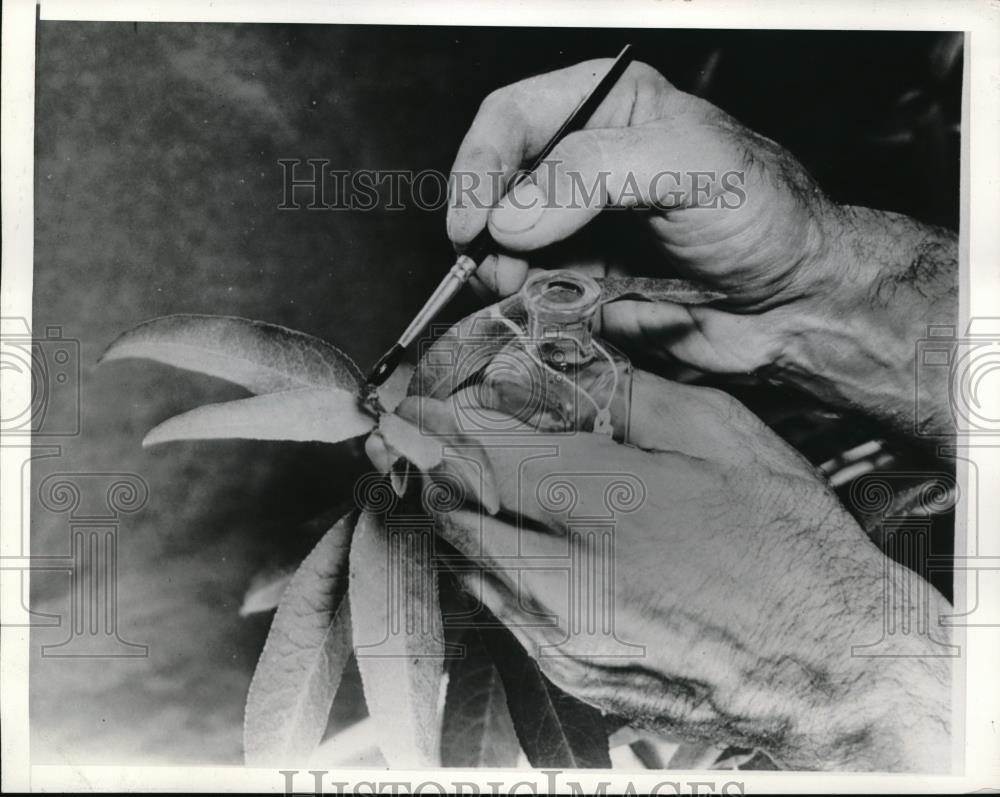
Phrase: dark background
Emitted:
{"points": [[157, 188]]}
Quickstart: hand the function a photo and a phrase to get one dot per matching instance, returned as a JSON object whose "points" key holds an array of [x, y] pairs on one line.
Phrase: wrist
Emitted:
{"points": [[899, 722], [887, 704], [850, 339]]}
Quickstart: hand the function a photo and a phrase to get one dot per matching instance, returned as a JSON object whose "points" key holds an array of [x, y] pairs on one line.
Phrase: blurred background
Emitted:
{"points": [[157, 192]]}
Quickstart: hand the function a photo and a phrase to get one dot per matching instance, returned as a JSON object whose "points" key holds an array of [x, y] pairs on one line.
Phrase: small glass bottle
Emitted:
{"points": [[554, 374]]}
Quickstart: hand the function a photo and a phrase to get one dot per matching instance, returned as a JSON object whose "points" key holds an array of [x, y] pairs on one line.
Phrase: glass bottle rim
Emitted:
{"points": [[561, 295]]}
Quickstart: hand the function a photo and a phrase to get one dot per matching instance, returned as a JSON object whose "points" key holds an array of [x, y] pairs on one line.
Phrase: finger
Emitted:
{"points": [[490, 592], [529, 565], [537, 475], [514, 123], [480, 289], [594, 267], [665, 166], [478, 179], [378, 453], [707, 338], [701, 423], [502, 274], [501, 546], [666, 417], [539, 583]]}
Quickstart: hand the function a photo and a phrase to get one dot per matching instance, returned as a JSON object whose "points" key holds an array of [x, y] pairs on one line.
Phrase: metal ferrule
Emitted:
{"points": [[456, 277]]}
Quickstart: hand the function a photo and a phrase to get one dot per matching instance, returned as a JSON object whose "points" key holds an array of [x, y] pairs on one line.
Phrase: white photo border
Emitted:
{"points": [[978, 694]]}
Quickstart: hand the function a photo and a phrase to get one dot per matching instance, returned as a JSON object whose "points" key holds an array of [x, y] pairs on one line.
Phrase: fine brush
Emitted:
{"points": [[482, 245]]}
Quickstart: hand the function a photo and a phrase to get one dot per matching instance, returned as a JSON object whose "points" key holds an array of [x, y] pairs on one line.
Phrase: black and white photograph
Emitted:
{"points": [[441, 404]]}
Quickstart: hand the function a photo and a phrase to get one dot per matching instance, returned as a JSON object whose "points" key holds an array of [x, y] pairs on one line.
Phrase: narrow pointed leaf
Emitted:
{"points": [[694, 755], [303, 659], [263, 358], [265, 591], [759, 761], [398, 638], [407, 440], [554, 728], [399, 476], [650, 753], [327, 415], [378, 453], [648, 289], [477, 729], [268, 584], [734, 758]]}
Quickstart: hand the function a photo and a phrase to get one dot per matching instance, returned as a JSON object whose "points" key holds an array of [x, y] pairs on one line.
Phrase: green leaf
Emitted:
{"points": [[407, 440], [399, 476], [326, 415], [649, 289], [398, 638], [265, 591], [477, 730], [554, 728], [303, 659], [263, 358], [694, 755]]}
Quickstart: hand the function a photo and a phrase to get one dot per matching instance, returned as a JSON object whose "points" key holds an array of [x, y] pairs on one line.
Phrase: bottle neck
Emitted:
{"points": [[563, 344], [561, 308]]}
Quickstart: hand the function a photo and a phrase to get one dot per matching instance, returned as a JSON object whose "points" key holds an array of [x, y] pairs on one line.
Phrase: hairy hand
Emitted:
{"points": [[724, 602], [712, 200], [830, 298]]}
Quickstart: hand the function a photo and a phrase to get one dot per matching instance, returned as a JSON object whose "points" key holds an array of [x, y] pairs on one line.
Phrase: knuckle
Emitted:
{"points": [[649, 78], [497, 101], [691, 109], [566, 672], [720, 403]]}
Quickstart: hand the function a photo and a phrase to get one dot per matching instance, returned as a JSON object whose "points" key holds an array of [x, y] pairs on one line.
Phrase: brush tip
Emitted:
{"points": [[385, 366]]}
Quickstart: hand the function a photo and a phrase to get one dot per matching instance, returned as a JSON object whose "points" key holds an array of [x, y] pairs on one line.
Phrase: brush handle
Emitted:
{"points": [[483, 244], [452, 283]]}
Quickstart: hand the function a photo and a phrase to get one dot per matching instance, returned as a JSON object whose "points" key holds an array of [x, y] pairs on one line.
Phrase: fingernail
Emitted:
{"points": [[480, 288], [378, 453], [520, 210], [487, 272]]}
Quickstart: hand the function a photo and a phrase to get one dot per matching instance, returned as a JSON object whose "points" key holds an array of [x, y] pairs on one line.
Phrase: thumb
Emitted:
{"points": [[561, 196], [612, 167]]}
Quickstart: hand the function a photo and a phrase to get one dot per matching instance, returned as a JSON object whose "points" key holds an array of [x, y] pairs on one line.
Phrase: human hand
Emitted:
{"points": [[721, 204], [829, 298], [735, 570]]}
